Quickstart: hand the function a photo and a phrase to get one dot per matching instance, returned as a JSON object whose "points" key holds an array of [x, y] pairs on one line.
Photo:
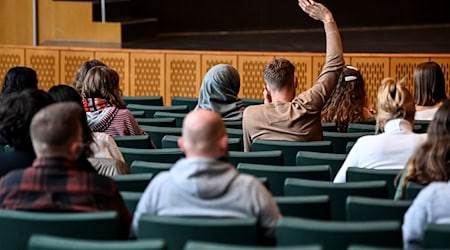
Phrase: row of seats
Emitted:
{"points": [[174, 232]]}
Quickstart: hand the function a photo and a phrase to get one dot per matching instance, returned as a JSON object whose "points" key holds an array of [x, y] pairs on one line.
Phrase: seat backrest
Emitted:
{"points": [[143, 100], [233, 124], [361, 127], [337, 192], [18, 226], [334, 235], [235, 133], [198, 245], [371, 209], [48, 242], [191, 102], [132, 182], [329, 126], [312, 207], [367, 247], [179, 117], [277, 174], [157, 122], [138, 167], [177, 230], [164, 155], [249, 101], [436, 236], [133, 141], [290, 148], [150, 110], [138, 113], [157, 133], [171, 141], [364, 174], [335, 161], [273, 157], [412, 190], [131, 200], [340, 140]]}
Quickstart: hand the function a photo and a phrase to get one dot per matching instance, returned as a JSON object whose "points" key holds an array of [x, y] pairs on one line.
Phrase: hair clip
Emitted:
{"points": [[350, 78]]}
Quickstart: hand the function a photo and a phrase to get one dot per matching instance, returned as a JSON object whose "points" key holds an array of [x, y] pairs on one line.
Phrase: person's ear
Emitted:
{"points": [[223, 143], [75, 149], [181, 143], [295, 83]]}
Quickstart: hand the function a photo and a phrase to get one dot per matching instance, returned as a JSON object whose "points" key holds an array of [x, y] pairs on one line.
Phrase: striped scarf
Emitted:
{"points": [[94, 104]]}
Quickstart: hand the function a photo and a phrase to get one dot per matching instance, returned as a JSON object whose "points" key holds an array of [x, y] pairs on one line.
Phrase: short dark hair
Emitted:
{"points": [[279, 73], [18, 79], [16, 112], [429, 84], [65, 93]]}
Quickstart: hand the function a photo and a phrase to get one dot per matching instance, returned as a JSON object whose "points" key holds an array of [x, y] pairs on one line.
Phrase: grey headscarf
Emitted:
{"points": [[219, 92]]}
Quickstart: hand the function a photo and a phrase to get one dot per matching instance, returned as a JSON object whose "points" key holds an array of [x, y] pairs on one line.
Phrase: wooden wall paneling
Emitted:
{"points": [[46, 63], [209, 60], [70, 63], [183, 75], [147, 76], [303, 71], [119, 61], [10, 57], [403, 67], [373, 70], [445, 65], [251, 70]]}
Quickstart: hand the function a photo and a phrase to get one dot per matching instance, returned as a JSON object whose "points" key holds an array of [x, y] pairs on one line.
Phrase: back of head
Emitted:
{"points": [[346, 103], [394, 101], [440, 125], [18, 79], [429, 84], [82, 71], [16, 112], [203, 132], [279, 74], [431, 162], [65, 93], [102, 82], [223, 82], [55, 128]]}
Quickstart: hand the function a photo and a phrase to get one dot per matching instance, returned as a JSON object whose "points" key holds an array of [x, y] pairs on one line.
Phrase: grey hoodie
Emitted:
{"points": [[208, 187]]}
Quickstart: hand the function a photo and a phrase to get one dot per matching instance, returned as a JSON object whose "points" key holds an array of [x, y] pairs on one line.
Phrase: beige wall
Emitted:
{"points": [[179, 73], [16, 22], [72, 22]]}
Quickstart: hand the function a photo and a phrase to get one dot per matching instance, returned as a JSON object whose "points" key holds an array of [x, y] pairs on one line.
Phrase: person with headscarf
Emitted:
{"points": [[219, 92]]}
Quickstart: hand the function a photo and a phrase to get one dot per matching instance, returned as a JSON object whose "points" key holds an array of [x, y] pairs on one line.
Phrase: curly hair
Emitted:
{"points": [[103, 82], [18, 79], [16, 112], [394, 101], [347, 101]]}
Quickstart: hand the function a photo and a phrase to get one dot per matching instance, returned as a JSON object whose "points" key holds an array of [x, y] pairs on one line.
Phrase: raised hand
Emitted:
{"points": [[316, 10]]}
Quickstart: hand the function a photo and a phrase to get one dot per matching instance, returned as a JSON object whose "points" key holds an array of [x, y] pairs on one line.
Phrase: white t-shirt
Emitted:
{"points": [[389, 150]]}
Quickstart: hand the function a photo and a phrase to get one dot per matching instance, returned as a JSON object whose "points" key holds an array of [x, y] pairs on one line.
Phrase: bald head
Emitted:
{"points": [[204, 134]]}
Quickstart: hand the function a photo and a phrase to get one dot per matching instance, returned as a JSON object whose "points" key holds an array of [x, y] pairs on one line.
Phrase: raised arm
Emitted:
{"points": [[334, 62]]}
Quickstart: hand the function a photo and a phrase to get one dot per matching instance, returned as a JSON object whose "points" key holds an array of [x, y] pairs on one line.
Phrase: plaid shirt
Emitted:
{"points": [[57, 184]]}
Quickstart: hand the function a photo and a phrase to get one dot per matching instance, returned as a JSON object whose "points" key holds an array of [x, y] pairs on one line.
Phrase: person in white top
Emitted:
{"points": [[393, 148], [429, 86]]}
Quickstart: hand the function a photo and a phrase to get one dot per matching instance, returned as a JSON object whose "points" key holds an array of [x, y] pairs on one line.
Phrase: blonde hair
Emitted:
{"points": [[394, 101]]}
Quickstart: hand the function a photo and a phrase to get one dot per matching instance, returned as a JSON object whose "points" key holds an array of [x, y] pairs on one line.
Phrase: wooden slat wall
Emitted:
{"points": [[180, 73]]}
